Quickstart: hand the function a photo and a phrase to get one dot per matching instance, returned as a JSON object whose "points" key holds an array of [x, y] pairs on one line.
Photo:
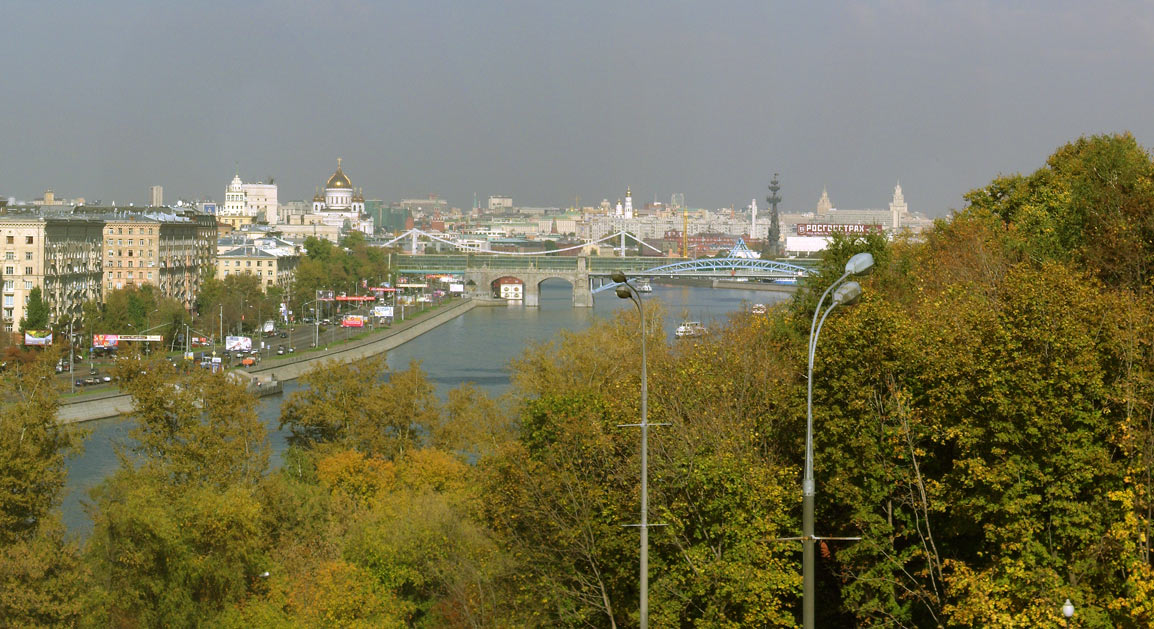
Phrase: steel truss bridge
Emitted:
{"points": [[587, 274]]}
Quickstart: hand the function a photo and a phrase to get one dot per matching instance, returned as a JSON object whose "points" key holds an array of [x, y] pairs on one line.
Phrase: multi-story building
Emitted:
{"points": [[156, 196], [274, 266], [261, 201], [160, 249], [61, 255]]}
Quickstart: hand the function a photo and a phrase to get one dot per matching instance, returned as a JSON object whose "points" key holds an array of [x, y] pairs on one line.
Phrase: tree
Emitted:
{"points": [[33, 448], [349, 405], [36, 312]]}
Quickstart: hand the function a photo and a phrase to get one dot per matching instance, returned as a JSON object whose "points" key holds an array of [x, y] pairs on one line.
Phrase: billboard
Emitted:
{"points": [[456, 288], [37, 337], [827, 229], [383, 311], [237, 343], [353, 321], [105, 340]]}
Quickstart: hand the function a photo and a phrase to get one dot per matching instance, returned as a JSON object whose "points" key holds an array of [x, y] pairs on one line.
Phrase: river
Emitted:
{"points": [[475, 347]]}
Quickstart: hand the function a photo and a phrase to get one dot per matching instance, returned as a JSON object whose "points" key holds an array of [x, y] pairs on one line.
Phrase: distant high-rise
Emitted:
{"points": [[677, 200], [156, 196], [898, 208]]}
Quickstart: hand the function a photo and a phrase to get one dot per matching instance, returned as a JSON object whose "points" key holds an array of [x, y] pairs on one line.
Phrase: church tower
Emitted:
{"points": [[628, 203], [823, 204], [898, 208]]}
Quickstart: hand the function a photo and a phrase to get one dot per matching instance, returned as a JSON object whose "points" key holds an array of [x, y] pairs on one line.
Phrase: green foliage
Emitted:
{"points": [[165, 558], [42, 583], [350, 405], [193, 427], [33, 448], [36, 312], [238, 302]]}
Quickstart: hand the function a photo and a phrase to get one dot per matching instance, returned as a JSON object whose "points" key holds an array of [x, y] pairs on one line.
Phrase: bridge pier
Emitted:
{"points": [[531, 294], [582, 294]]}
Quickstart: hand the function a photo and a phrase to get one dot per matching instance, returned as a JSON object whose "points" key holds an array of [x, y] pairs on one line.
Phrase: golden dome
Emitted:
{"points": [[339, 179]]}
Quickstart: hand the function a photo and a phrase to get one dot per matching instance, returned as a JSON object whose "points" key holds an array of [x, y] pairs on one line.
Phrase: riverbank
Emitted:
{"points": [[114, 403]]}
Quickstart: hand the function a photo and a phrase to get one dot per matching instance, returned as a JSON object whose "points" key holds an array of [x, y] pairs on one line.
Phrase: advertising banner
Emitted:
{"points": [[105, 340], [237, 343], [827, 229], [355, 298], [37, 337], [456, 288], [353, 321], [141, 337], [383, 311]]}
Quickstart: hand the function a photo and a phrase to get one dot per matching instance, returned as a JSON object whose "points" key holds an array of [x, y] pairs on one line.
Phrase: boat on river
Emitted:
{"points": [[758, 309], [644, 287], [690, 329]]}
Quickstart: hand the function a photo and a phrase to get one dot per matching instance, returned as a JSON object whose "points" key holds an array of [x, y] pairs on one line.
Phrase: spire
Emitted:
{"points": [[823, 204]]}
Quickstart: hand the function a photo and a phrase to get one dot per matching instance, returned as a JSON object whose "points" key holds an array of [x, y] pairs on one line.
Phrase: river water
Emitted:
{"points": [[475, 347]]}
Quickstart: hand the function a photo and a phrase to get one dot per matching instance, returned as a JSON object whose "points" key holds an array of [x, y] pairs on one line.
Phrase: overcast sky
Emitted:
{"points": [[546, 101]]}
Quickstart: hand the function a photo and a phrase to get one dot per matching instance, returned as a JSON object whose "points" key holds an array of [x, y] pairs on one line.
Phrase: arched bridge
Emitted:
{"points": [[587, 274]]}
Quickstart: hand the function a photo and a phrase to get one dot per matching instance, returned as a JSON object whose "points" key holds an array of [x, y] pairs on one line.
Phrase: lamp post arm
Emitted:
{"points": [[807, 483], [817, 308]]}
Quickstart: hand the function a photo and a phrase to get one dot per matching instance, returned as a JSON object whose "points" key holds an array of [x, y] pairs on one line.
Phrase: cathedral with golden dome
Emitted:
{"points": [[341, 204]]}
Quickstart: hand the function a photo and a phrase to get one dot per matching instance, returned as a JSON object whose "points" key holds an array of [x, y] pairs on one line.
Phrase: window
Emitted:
{"points": [[27, 255], [9, 270], [130, 240], [248, 262], [150, 275], [130, 264], [7, 284], [9, 255], [8, 301], [130, 233], [118, 275], [28, 240], [130, 275], [9, 239], [120, 230], [270, 273], [258, 262], [27, 270], [27, 284]]}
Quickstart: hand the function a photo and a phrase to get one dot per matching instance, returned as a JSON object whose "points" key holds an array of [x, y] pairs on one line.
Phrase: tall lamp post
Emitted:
{"points": [[625, 290], [844, 295]]}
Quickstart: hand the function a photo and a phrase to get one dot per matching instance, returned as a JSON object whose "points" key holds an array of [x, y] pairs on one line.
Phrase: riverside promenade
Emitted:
{"points": [[274, 370]]}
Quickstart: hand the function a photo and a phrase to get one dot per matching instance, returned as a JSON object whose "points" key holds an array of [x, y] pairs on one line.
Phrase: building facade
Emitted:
{"points": [[158, 249], [271, 267], [59, 255]]}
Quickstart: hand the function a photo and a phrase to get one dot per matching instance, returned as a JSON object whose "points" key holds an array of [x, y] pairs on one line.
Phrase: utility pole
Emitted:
{"points": [[71, 356]]}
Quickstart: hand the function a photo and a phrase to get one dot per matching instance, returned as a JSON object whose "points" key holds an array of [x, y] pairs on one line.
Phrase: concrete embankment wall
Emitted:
{"points": [[113, 404]]}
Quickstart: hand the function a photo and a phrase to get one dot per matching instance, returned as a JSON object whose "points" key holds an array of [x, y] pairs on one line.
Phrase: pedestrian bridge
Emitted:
{"points": [[587, 274]]}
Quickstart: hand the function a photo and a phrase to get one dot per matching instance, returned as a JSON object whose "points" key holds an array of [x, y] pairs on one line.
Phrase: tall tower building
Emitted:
{"points": [[753, 219], [823, 204], [898, 208], [156, 196], [628, 203]]}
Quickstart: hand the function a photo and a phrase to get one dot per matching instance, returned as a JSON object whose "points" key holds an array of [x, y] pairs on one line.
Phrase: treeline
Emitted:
{"points": [[984, 423]]}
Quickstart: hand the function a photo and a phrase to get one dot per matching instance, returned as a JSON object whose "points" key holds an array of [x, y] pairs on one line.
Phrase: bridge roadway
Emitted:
{"points": [[586, 274]]}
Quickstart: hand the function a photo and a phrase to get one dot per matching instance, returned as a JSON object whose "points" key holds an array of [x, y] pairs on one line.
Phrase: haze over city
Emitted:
{"points": [[547, 102]]}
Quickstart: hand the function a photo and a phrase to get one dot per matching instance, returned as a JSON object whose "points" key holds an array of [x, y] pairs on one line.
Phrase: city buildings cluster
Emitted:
{"points": [[75, 252]]}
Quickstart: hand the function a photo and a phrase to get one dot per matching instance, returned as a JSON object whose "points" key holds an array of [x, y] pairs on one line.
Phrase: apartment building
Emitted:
{"points": [[274, 267], [61, 255], [158, 249]]}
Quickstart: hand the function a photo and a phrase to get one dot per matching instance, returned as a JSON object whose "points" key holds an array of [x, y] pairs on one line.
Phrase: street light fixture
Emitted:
{"points": [[844, 295], [625, 290], [1068, 611]]}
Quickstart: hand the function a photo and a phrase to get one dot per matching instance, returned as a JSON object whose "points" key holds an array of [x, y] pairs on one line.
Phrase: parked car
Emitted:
{"points": [[283, 334]]}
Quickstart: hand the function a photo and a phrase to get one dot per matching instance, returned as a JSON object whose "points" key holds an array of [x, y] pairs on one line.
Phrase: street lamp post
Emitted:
{"points": [[1068, 611], [844, 295], [626, 291]]}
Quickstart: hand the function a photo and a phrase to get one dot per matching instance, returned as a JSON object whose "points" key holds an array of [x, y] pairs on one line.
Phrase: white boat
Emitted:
{"points": [[690, 329], [758, 309], [644, 287]]}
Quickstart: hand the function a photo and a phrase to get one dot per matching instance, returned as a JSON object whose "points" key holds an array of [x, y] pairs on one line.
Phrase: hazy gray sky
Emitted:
{"points": [[549, 100]]}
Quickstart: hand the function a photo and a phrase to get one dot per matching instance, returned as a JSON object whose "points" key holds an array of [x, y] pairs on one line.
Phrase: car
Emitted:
{"points": [[326, 322], [92, 371], [283, 335], [292, 349], [92, 381], [106, 378], [280, 351], [80, 383]]}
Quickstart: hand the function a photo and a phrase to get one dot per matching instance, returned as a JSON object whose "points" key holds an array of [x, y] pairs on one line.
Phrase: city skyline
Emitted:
{"points": [[549, 103]]}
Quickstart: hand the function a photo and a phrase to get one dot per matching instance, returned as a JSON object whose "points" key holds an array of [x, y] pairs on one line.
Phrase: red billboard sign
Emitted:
{"points": [[828, 229]]}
